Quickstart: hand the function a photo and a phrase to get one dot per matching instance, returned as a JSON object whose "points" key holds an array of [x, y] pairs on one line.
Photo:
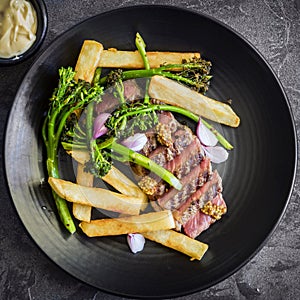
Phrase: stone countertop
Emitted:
{"points": [[273, 27]]}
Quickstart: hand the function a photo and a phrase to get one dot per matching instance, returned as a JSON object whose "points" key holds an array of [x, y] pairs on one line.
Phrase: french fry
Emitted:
{"points": [[143, 223], [96, 197], [80, 156], [124, 185], [179, 242], [113, 58], [172, 92], [88, 60], [86, 65], [115, 178], [80, 211]]}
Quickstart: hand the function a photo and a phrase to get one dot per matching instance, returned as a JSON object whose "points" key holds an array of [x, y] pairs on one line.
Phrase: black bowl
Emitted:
{"points": [[42, 19]]}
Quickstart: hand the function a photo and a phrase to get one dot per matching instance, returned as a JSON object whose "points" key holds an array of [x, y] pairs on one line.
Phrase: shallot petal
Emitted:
{"points": [[205, 135], [216, 154], [99, 127], [136, 242], [135, 142]]}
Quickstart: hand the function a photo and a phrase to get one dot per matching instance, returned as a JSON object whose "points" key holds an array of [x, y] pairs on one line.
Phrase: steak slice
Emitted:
{"points": [[160, 139], [170, 125], [181, 138], [180, 166], [199, 203], [208, 191], [189, 158], [151, 143], [202, 221], [173, 198]]}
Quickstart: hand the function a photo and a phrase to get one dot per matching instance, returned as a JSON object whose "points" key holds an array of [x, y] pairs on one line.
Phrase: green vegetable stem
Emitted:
{"points": [[147, 163], [194, 73], [141, 46], [127, 155], [67, 98]]}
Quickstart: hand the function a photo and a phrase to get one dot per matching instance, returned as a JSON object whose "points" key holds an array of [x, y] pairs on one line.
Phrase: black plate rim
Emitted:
{"points": [[261, 57]]}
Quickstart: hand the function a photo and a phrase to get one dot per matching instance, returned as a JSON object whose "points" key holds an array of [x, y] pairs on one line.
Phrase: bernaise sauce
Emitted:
{"points": [[18, 26]]}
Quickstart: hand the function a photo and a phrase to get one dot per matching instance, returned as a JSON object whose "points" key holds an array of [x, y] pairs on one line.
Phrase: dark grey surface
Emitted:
{"points": [[274, 273]]}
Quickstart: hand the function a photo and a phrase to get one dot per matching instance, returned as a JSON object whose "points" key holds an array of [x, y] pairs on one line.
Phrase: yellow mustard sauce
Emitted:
{"points": [[18, 26]]}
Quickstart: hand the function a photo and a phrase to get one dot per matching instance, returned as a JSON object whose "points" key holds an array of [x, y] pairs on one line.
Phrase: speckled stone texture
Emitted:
{"points": [[273, 27]]}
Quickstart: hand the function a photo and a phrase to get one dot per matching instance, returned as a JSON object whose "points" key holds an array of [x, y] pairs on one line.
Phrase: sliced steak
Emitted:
{"points": [[202, 221], [173, 198], [162, 154], [190, 157], [207, 192], [151, 143], [199, 203], [166, 117], [180, 166]]}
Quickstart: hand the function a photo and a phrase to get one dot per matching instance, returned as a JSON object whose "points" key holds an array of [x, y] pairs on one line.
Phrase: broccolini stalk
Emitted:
{"points": [[67, 98], [218, 135], [120, 91], [222, 140], [89, 123], [141, 46], [90, 110], [97, 75], [143, 161], [127, 155], [100, 163], [194, 73]]}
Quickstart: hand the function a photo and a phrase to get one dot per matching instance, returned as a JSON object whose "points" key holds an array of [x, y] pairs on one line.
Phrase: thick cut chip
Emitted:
{"points": [[85, 68], [80, 211], [124, 185], [88, 60], [174, 93], [146, 222], [115, 178], [80, 156], [96, 197], [179, 242], [113, 58]]}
